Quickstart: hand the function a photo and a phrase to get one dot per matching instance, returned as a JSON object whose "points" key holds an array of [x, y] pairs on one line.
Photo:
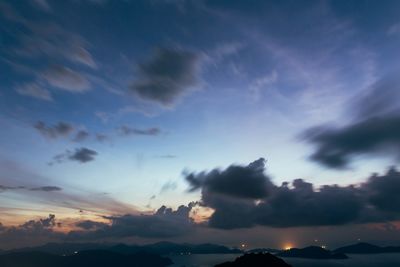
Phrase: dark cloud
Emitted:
{"points": [[55, 131], [167, 76], [91, 225], [237, 181], [82, 155], [7, 188], [101, 137], [383, 191], [164, 223], [40, 188], [46, 188], [374, 130], [296, 204], [336, 147], [125, 130], [81, 136], [302, 205], [30, 232]]}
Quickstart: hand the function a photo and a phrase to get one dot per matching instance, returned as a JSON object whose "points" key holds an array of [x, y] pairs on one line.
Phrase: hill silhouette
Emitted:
{"points": [[255, 260], [156, 248], [312, 252], [98, 258], [366, 248], [264, 250]]}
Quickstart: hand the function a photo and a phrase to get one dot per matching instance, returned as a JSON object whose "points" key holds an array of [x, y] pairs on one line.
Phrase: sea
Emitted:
{"points": [[370, 260]]}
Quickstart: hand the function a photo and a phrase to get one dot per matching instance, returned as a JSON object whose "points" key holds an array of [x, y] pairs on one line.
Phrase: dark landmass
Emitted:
{"points": [[98, 258], [172, 248], [366, 248], [312, 252], [63, 248], [255, 260], [161, 248], [264, 250]]}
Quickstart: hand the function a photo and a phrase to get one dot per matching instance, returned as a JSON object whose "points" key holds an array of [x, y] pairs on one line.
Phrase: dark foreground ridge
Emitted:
{"points": [[366, 248], [255, 260], [98, 258], [312, 252]]}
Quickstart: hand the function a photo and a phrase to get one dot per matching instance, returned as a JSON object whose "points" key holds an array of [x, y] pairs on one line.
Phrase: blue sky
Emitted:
{"points": [[119, 100]]}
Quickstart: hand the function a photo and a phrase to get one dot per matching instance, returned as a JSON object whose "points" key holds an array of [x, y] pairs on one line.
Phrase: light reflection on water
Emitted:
{"points": [[374, 260]]}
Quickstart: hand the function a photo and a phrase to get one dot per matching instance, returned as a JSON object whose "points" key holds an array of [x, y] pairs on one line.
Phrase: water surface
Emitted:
{"points": [[373, 260]]}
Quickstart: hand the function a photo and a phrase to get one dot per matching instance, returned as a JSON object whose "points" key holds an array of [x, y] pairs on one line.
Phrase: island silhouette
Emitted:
{"points": [[311, 252], [366, 248], [255, 260]]}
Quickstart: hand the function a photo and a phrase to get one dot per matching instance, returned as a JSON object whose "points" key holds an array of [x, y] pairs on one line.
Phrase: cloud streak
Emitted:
{"points": [[46, 188], [81, 155], [61, 129], [66, 79], [126, 131], [35, 91]]}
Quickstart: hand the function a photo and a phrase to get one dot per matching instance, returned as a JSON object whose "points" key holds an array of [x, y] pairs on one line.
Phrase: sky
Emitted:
{"points": [[268, 123]]}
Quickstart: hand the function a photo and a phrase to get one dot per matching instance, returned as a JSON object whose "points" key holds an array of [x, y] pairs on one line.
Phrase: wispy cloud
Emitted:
{"points": [[81, 135], [166, 156], [81, 155], [65, 78], [263, 83], [126, 131], [42, 4], [34, 90], [46, 188], [55, 131], [394, 29]]}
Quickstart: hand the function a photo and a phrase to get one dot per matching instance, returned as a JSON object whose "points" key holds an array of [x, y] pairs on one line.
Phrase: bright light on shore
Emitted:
{"points": [[287, 246]]}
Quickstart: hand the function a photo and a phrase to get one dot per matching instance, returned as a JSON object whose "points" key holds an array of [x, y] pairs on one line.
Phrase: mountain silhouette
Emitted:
{"points": [[255, 260], [156, 248], [98, 258], [366, 248], [312, 252], [264, 250], [64, 248]]}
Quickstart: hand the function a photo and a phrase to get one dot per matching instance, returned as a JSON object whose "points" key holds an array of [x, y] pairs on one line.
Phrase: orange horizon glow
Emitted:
{"points": [[288, 246]]}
